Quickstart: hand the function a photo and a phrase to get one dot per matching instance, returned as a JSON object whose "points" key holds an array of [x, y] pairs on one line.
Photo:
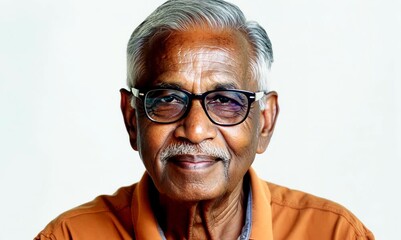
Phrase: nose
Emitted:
{"points": [[196, 127]]}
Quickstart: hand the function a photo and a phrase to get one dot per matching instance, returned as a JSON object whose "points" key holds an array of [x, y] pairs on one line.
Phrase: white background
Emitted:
{"points": [[62, 139]]}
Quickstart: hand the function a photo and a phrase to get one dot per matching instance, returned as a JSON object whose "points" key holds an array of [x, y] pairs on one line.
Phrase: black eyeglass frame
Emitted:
{"points": [[251, 97]]}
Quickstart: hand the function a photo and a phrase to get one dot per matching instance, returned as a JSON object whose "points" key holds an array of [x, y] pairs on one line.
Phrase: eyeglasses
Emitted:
{"points": [[223, 107]]}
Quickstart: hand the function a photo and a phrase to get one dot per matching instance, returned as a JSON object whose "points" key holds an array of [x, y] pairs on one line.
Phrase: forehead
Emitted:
{"points": [[198, 55]]}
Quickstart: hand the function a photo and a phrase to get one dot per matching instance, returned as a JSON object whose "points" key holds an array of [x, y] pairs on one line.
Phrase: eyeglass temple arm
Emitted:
{"points": [[260, 95], [136, 92]]}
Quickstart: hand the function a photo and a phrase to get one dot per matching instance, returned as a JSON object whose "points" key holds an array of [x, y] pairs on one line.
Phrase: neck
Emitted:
{"points": [[221, 218]]}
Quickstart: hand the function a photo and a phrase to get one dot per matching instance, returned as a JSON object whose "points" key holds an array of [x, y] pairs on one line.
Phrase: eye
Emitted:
{"points": [[160, 97], [224, 98], [165, 104], [225, 106], [169, 99]]}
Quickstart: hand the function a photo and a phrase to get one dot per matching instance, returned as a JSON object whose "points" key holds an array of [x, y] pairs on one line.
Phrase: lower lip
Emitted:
{"points": [[193, 165]]}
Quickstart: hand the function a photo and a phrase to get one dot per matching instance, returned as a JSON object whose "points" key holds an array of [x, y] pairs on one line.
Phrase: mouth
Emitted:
{"points": [[193, 162]]}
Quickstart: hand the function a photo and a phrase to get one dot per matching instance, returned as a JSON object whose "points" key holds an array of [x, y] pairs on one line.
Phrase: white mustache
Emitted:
{"points": [[204, 148]]}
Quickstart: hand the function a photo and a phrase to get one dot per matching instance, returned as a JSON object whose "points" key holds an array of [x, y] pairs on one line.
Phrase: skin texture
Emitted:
{"points": [[208, 192]]}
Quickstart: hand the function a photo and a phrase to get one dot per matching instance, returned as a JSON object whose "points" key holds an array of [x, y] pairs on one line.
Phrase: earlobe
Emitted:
{"points": [[268, 119], [129, 116]]}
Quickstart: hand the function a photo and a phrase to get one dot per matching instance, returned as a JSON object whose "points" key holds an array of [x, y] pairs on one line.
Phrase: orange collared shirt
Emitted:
{"points": [[277, 213]]}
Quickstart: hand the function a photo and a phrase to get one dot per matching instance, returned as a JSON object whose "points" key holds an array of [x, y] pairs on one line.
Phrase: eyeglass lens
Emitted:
{"points": [[223, 107]]}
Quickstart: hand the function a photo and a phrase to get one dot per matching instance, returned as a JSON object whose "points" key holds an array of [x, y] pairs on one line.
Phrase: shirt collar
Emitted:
{"points": [[258, 209], [262, 225]]}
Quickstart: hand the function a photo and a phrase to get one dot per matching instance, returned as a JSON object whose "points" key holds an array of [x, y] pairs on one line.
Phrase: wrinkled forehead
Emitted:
{"points": [[198, 51]]}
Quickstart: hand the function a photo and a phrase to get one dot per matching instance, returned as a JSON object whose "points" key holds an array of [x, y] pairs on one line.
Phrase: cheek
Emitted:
{"points": [[152, 139], [242, 145], [242, 139]]}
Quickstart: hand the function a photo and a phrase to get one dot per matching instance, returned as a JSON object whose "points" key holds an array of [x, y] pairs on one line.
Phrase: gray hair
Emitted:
{"points": [[181, 15]]}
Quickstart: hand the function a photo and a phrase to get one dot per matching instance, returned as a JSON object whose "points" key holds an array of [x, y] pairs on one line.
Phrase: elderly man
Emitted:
{"points": [[198, 109]]}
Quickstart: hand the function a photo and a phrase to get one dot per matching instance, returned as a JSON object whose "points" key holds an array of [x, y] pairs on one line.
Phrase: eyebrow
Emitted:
{"points": [[225, 86], [168, 85], [217, 86]]}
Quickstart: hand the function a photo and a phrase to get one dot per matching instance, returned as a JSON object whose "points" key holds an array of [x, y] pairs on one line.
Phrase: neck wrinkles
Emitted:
{"points": [[221, 218]]}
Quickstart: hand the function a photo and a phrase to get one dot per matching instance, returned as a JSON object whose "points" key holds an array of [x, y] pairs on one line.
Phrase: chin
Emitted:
{"points": [[190, 185], [194, 192]]}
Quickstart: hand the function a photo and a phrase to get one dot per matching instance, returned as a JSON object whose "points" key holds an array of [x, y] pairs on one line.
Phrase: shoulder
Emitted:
{"points": [[111, 212], [296, 213]]}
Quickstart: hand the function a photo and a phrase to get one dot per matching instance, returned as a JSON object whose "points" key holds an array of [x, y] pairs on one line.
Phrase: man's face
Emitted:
{"points": [[198, 61]]}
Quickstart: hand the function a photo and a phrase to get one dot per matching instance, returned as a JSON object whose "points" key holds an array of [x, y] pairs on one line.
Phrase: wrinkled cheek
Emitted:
{"points": [[244, 155], [148, 145], [153, 139], [242, 143]]}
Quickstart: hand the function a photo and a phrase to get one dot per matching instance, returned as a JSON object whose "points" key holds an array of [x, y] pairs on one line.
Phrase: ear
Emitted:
{"points": [[268, 118], [129, 116]]}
